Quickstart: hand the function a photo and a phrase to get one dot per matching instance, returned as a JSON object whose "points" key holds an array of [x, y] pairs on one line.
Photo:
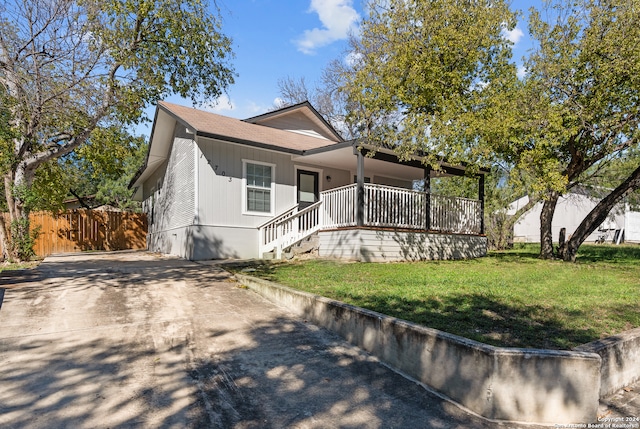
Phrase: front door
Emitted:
{"points": [[307, 188]]}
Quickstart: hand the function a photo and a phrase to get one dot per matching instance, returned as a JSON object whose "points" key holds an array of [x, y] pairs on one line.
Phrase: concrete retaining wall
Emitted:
{"points": [[522, 385], [376, 245], [620, 360]]}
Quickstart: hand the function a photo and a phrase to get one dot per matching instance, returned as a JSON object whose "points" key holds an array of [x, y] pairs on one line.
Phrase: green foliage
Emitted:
{"points": [[607, 175], [75, 73], [437, 72], [170, 46], [7, 133], [23, 239], [457, 186], [500, 192], [581, 91], [48, 190], [104, 168], [578, 103], [114, 190]]}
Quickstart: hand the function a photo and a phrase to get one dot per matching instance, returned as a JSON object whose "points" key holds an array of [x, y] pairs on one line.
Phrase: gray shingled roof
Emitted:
{"points": [[217, 126]]}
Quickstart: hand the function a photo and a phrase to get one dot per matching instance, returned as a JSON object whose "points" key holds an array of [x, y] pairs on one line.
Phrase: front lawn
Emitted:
{"points": [[509, 298]]}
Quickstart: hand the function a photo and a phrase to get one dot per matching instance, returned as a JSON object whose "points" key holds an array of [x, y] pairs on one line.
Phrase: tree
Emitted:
{"points": [[292, 91], [582, 90], [71, 70], [326, 96], [114, 189], [436, 77], [429, 77]]}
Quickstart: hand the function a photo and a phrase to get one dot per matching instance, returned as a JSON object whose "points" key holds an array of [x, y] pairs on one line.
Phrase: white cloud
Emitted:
{"points": [[353, 59], [338, 17], [514, 35], [222, 104], [522, 72]]}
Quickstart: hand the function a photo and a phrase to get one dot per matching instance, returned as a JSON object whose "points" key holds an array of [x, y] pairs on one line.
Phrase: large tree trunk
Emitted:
{"points": [[546, 233], [17, 238], [598, 215]]}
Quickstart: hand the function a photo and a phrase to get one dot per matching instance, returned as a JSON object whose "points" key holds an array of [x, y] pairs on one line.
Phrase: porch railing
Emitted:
{"points": [[390, 207], [285, 231], [457, 215], [339, 207], [384, 207]]}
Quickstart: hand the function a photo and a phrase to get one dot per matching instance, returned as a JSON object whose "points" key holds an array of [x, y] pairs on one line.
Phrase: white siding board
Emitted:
{"points": [[390, 181], [569, 213], [379, 246], [221, 195], [298, 123], [632, 226], [173, 188]]}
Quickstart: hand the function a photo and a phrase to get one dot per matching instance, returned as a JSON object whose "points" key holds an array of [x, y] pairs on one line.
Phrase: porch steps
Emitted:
{"points": [[308, 245]]}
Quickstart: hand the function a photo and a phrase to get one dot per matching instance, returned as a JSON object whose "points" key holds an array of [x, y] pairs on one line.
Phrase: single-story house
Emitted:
{"points": [[218, 187], [622, 224]]}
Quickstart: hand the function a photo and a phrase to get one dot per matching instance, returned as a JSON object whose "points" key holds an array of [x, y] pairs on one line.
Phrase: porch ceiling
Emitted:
{"points": [[344, 159]]}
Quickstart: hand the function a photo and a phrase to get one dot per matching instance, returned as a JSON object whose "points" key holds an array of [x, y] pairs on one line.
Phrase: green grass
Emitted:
{"points": [[509, 298], [11, 266]]}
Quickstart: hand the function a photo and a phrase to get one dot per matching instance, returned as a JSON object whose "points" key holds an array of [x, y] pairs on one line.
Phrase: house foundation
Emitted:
{"points": [[387, 245]]}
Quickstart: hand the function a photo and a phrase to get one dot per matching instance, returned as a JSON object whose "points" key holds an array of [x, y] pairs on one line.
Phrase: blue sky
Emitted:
{"points": [[273, 39]]}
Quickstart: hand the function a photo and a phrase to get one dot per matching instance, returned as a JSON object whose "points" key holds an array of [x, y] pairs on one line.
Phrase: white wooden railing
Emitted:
{"points": [[384, 207], [269, 230], [390, 207], [285, 231], [457, 215], [339, 207]]}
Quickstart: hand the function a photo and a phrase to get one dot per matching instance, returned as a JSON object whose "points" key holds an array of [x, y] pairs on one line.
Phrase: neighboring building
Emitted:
{"points": [[218, 187], [87, 202], [622, 224]]}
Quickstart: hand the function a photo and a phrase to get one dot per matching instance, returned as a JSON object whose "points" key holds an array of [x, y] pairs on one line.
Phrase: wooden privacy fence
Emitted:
{"points": [[79, 230]]}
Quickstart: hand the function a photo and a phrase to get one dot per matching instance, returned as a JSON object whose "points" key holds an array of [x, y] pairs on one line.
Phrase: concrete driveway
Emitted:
{"points": [[135, 339]]}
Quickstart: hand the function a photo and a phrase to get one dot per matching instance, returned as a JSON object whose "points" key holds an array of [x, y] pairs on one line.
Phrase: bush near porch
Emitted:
{"points": [[510, 298]]}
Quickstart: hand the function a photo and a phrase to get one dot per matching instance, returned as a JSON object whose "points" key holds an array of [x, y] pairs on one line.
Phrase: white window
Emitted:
{"points": [[258, 187]]}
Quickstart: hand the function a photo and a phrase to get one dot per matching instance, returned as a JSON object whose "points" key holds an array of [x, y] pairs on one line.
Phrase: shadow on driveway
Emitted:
{"points": [[157, 342]]}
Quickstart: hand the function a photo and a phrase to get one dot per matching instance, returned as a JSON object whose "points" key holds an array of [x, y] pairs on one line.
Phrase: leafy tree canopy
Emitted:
{"points": [[72, 72], [579, 107], [433, 70]]}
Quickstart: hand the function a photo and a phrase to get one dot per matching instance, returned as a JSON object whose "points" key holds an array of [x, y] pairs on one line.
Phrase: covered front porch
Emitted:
{"points": [[376, 222]]}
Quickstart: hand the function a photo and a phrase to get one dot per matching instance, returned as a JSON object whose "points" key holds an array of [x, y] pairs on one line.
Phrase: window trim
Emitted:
{"points": [[272, 189]]}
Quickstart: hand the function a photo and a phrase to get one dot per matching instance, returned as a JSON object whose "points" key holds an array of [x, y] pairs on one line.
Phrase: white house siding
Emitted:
{"points": [[293, 122], [370, 245], [221, 224], [170, 200], [220, 183], [570, 212], [337, 177], [632, 226]]}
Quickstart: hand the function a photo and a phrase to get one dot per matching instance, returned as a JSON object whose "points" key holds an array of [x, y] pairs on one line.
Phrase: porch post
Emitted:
{"points": [[481, 198], [359, 187], [427, 198]]}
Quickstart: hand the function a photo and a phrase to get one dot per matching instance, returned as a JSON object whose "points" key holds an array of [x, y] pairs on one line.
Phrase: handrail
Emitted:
{"points": [[384, 206], [288, 229], [285, 213]]}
